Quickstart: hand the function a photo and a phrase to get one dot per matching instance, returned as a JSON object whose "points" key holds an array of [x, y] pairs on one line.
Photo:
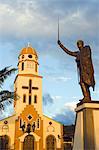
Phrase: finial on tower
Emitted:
{"points": [[29, 44]]}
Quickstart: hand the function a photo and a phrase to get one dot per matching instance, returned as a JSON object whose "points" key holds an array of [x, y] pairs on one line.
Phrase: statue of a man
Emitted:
{"points": [[85, 67], [33, 126], [28, 130]]}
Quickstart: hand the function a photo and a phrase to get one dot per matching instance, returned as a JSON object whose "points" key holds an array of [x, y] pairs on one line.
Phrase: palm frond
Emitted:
{"points": [[4, 73], [7, 97]]}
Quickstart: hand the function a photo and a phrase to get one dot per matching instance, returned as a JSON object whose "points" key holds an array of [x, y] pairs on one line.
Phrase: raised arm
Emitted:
{"points": [[66, 50]]}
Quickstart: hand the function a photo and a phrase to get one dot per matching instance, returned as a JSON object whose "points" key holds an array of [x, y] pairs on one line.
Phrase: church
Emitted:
{"points": [[28, 128]]}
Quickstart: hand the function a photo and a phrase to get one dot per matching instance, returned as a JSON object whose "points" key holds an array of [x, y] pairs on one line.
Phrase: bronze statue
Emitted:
{"points": [[23, 127], [33, 126], [85, 67], [28, 130]]}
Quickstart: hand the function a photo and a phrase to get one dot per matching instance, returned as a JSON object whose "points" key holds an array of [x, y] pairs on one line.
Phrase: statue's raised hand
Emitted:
{"points": [[59, 42]]}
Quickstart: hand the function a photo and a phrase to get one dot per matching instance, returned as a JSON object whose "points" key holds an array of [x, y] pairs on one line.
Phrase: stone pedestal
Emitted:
{"points": [[87, 126]]}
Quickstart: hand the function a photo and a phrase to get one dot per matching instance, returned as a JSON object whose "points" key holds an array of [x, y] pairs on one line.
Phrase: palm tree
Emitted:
{"points": [[6, 95]]}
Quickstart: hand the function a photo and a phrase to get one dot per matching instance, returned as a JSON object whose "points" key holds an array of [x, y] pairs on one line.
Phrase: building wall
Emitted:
{"points": [[17, 136], [54, 129], [8, 129], [24, 116], [23, 80]]}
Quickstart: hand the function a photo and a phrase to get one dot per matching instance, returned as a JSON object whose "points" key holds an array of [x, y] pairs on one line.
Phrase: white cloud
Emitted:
{"points": [[23, 22], [56, 97], [71, 106], [67, 114], [68, 107], [59, 79], [77, 23], [28, 19]]}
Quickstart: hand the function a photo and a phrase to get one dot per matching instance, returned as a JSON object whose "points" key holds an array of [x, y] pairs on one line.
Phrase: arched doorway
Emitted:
{"points": [[50, 143], [4, 142], [28, 143]]}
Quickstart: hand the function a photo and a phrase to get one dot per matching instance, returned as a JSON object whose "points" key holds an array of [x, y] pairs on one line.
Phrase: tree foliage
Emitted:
{"points": [[5, 95]]}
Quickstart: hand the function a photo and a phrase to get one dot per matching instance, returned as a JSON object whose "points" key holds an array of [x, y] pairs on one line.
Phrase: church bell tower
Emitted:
{"points": [[28, 83]]}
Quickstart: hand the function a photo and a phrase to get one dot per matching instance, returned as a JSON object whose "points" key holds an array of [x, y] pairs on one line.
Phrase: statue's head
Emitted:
{"points": [[80, 44]]}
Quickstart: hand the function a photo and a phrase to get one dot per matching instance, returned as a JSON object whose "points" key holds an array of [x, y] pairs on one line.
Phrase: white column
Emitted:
{"points": [[37, 145], [20, 145]]}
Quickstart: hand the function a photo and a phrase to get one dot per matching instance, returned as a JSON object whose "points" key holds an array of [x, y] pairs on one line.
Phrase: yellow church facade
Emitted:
{"points": [[28, 128]]}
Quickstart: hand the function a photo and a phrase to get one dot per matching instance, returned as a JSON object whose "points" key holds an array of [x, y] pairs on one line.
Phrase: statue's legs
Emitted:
{"points": [[85, 91]]}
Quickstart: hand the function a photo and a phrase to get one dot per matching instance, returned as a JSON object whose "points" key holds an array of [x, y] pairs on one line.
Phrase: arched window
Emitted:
{"points": [[22, 56], [28, 143], [29, 99], [50, 143], [20, 123], [35, 98], [30, 91], [33, 126], [36, 67], [4, 142], [38, 123], [22, 65], [24, 98], [5, 128], [30, 86]]}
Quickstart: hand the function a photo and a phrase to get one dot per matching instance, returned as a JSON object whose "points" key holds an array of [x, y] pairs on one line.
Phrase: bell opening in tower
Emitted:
{"points": [[29, 99], [22, 65]]}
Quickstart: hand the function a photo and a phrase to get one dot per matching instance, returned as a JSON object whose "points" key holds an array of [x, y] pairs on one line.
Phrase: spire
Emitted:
{"points": [[29, 44]]}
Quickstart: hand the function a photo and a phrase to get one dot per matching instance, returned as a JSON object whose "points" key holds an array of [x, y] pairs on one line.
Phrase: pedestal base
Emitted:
{"points": [[87, 126]]}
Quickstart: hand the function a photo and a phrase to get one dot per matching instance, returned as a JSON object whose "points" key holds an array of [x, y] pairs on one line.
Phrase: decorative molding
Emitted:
{"points": [[36, 137]]}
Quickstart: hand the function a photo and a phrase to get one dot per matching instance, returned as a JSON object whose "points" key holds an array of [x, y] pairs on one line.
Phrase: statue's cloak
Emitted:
{"points": [[86, 66]]}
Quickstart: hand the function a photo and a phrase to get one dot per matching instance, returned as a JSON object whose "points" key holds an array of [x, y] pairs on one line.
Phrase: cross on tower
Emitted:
{"points": [[30, 90]]}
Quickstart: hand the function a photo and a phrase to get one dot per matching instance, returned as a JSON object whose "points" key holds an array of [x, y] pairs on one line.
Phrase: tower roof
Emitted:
{"points": [[28, 50]]}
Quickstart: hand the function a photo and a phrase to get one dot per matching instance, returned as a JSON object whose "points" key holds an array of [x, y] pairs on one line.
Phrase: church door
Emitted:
{"points": [[28, 143], [4, 142], [51, 143]]}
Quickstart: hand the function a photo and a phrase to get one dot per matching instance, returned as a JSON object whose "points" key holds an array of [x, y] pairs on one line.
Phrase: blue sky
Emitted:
{"points": [[35, 21]]}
